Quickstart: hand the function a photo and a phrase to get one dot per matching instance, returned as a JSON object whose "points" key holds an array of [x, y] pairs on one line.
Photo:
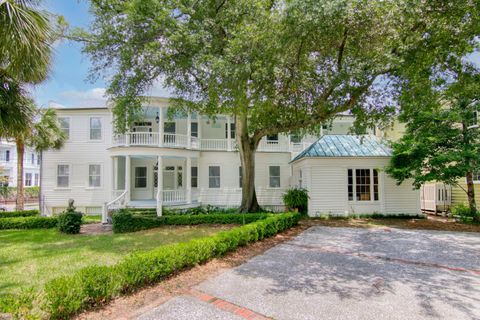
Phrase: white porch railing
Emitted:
{"points": [[117, 203], [173, 196], [173, 140], [213, 144]]}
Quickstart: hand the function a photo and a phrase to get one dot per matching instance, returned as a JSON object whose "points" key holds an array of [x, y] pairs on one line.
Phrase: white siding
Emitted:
{"points": [[79, 152], [230, 193], [326, 180]]}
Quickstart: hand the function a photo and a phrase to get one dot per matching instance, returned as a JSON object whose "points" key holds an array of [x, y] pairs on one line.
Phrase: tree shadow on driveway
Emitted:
{"points": [[360, 273]]}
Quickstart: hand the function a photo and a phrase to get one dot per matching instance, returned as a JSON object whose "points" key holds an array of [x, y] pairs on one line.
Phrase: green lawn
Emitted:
{"points": [[32, 257]]}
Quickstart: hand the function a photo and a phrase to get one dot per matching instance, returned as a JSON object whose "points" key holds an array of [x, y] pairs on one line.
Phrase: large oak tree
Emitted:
{"points": [[276, 66]]}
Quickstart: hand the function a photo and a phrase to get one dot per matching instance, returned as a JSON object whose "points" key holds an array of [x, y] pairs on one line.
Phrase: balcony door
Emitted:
{"points": [[169, 130]]}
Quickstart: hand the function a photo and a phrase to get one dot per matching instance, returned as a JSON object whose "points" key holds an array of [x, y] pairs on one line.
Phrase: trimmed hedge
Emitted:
{"points": [[69, 222], [15, 214], [125, 221], [28, 223], [96, 285]]}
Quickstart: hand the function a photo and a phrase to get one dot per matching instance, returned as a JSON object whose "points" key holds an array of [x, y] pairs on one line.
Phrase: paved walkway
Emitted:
{"points": [[345, 273]]}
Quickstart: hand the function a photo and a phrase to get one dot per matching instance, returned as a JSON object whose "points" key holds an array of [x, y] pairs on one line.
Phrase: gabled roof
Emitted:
{"points": [[346, 146]]}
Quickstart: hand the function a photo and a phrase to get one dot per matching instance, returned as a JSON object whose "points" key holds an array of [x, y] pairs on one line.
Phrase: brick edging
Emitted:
{"points": [[227, 306]]}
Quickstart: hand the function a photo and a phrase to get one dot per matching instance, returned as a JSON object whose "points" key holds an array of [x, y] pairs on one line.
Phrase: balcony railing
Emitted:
{"points": [[173, 140]]}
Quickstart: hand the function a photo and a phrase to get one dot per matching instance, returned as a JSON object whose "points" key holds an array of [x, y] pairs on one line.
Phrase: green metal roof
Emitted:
{"points": [[346, 146]]}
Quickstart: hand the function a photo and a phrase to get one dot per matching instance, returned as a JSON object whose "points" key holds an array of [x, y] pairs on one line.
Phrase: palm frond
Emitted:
{"points": [[25, 41]]}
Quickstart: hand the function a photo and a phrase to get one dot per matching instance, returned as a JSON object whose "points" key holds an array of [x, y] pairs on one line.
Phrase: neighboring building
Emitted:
{"points": [[8, 166], [185, 161], [344, 175]]}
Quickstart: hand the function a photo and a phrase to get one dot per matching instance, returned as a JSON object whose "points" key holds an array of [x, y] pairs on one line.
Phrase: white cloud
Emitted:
{"points": [[84, 98], [158, 89]]}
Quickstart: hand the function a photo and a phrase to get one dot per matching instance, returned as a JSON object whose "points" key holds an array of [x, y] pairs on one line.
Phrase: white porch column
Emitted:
{"points": [[160, 127], [128, 179], [159, 185], [189, 180], [189, 131], [229, 138], [114, 178], [199, 128]]}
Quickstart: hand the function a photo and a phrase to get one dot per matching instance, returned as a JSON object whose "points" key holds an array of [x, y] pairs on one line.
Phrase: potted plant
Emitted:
{"points": [[296, 199]]}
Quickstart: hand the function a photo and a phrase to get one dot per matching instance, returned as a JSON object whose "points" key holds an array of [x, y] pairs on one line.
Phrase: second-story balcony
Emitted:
{"points": [[197, 132], [182, 141]]}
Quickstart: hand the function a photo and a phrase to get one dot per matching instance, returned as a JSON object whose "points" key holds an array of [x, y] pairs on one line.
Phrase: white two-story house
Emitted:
{"points": [[191, 160], [8, 165], [186, 160]]}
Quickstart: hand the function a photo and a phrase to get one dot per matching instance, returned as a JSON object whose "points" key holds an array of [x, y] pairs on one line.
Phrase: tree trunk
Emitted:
{"points": [[471, 192], [247, 147], [20, 199]]}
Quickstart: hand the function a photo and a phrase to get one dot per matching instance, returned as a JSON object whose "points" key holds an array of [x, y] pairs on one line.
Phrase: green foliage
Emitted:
{"points": [[126, 221], [439, 144], [93, 286], [296, 198], [463, 212], [28, 223], [10, 193], [276, 66], [69, 221], [26, 40], [14, 214]]}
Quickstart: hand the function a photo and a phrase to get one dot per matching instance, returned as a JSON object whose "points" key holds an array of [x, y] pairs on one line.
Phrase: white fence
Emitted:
{"points": [[435, 197]]}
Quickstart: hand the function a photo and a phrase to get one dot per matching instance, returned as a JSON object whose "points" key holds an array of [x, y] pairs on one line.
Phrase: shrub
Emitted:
{"points": [[296, 198], [24, 213], [70, 221], [463, 213], [125, 221], [96, 285], [28, 223]]}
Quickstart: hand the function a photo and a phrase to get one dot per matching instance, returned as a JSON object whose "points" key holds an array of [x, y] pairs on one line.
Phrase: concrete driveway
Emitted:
{"points": [[345, 273]]}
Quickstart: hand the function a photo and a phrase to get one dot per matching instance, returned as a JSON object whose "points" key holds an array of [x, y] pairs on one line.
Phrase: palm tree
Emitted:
{"points": [[26, 38], [44, 133], [25, 41]]}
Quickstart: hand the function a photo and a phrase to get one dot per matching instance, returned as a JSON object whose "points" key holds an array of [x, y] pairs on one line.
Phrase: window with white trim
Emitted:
{"points": [[37, 179], [194, 129], [232, 130], [214, 176], [240, 177], [28, 180], [272, 137], [179, 176], [95, 128], [94, 175], [33, 158], [63, 175], [194, 171], [140, 177], [65, 126], [274, 176], [476, 176], [363, 185], [300, 178]]}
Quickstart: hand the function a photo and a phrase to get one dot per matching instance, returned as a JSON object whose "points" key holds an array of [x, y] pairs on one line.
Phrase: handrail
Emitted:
{"points": [[107, 205], [117, 198]]}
